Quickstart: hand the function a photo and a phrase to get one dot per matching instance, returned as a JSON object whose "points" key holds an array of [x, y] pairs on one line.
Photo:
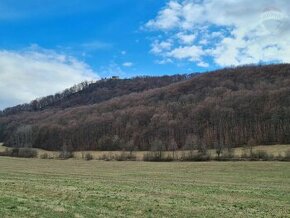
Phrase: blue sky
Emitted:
{"points": [[49, 45], [104, 34]]}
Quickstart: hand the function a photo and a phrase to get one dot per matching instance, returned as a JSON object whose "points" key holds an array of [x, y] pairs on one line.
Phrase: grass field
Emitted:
{"points": [[77, 188]]}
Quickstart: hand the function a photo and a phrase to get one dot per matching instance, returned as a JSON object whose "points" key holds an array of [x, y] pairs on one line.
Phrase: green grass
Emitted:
{"points": [[76, 188]]}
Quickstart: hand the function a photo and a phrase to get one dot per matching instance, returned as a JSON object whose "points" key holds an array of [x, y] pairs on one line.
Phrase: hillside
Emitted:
{"points": [[225, 108], [87, 93]]}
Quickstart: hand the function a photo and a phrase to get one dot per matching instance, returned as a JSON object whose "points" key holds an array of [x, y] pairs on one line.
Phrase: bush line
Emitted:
{"points": [[151, 156]]}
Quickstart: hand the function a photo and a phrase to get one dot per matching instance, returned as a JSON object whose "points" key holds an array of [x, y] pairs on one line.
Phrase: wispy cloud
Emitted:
{"points": [[96, 45], [112, 69], [127, 64], [226, 32], [35, 72]]}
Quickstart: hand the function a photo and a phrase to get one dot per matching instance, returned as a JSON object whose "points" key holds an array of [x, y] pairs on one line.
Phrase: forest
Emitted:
{"points": [[222, 109], [87, 92]]}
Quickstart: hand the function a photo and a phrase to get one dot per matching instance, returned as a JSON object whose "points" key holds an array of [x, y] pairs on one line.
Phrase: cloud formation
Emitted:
{"points": [[127, 64], [34, 72], [224, 32]]}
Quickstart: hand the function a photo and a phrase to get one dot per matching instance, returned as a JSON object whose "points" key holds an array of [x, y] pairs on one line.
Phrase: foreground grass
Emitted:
{"points": [[75, 188]]}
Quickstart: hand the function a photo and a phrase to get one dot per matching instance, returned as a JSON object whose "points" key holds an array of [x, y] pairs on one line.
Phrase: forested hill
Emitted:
{"points": [[225, 108], [87, 93]]}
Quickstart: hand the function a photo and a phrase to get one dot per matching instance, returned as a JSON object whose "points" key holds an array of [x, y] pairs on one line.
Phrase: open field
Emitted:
{"points": [[270, 149], [77, 188]]}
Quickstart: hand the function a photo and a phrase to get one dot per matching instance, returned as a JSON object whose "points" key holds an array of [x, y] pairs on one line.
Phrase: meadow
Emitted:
{"points": [[78, 188]]}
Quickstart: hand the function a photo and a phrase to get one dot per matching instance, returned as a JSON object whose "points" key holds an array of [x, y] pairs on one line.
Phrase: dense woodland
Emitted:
{"points": [[222, 109], [87, 93]]}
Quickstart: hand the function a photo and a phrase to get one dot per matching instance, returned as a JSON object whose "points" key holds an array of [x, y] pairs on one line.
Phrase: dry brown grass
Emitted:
{"points": [[275, 150], [271, 149]]}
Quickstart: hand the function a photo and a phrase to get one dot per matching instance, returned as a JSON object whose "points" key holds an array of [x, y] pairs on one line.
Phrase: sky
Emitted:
{"points": [[49, 45]]}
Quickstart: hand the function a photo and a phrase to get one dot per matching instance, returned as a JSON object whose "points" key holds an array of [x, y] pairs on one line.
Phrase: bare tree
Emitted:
{"points": [[172, 147], [158, 146], [251, 143]]}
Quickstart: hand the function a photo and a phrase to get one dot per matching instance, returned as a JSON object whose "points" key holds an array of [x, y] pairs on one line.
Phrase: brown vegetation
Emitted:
{"points": [[19, 152], [243, 106]]}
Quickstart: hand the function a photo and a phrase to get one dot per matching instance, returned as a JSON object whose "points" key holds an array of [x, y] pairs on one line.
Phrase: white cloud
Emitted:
{"points": [[34, 72], [127, 64], [193, 53], [202, 64], [227, 32], [167, 18], [164, 61], [186, 38], [159, 47]]}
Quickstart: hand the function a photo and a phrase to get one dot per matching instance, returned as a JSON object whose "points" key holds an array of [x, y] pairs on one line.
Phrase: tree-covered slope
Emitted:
{"points": [[87, 93], [225, 108]]}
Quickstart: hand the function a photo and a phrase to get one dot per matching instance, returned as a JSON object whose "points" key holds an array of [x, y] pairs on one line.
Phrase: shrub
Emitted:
{"points": [[132, 157], [201, 157], [125, 157], [27, 153], [107, 157], [88, 156], [7, 152], [20, 152], [186, 156], [155, 156], [45, 156], [64, 155], [287, 156], [13, 152], [227, 156], [198, 157], [120, 157], [169, 158], [261, 155], [245, 155]]}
